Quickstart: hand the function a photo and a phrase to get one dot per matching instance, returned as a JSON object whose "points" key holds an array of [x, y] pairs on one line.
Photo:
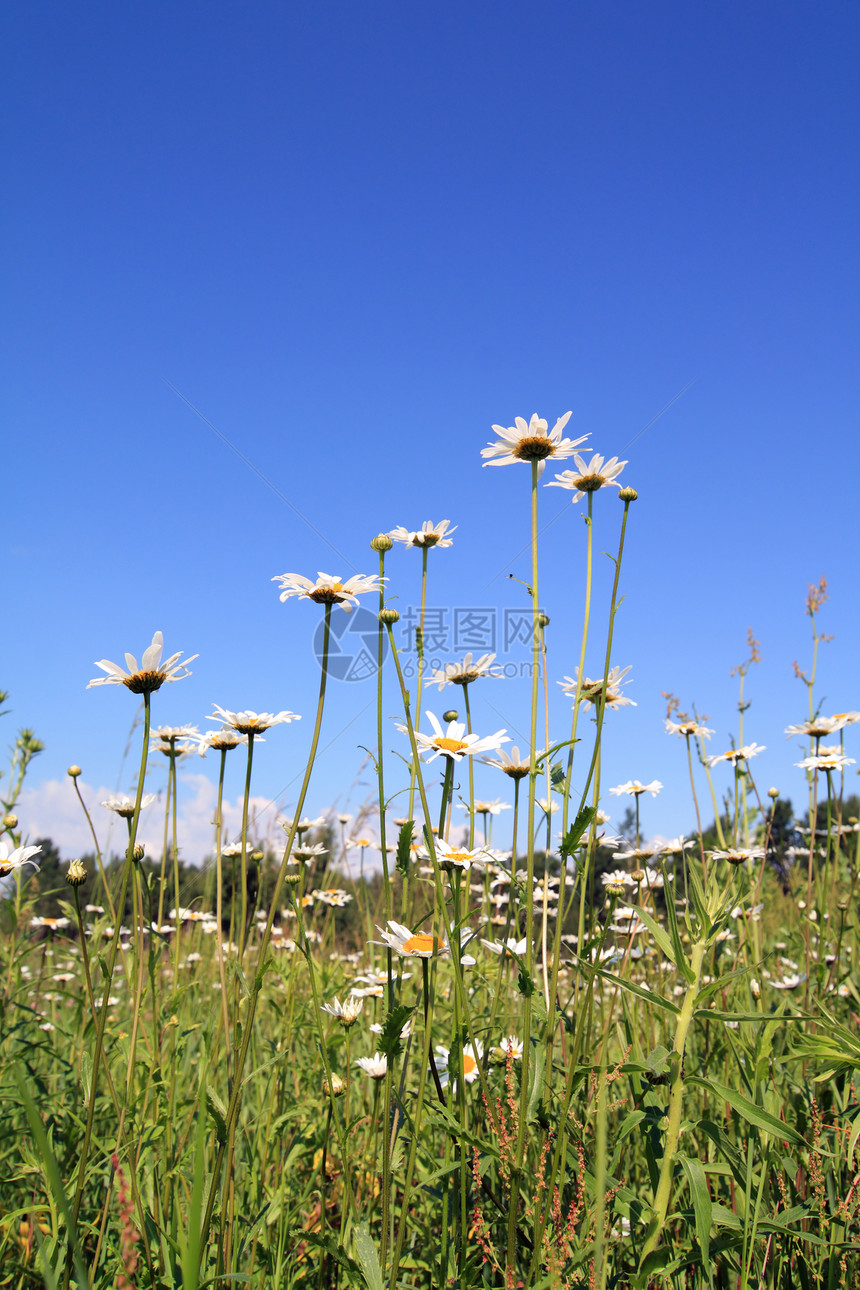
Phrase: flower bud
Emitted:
{"points": [[628, 494], [10, 821], [74, 771], [292, 878], [773, 792], [543, 620], [451, 715], [388, 617], [382, 542], [138, 853], [76, 874], [337, 1088]]}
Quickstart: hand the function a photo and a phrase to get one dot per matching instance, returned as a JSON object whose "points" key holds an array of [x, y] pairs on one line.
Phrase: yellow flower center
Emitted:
{"points": [[420, 943], [469, 1064], [459, 857], [450, 745], [533, 448]]}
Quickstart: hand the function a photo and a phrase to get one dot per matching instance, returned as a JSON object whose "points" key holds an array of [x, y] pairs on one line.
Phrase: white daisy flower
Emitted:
{"points": [[464, 673], [687, 729], [472, 1054], [820, 727], [635, 787], [458, 858], [826, 759], [124, 806], [329, 589], [410, 945], [429, 534], [12, 860], [512, 764], [509, 946], [530, 441], [454, 742], [376, 1066], [251, 723], [151, 674], [589, 475], [591, 691], [735, 755], [487, 808], [346, 1013], [510, 1044]]}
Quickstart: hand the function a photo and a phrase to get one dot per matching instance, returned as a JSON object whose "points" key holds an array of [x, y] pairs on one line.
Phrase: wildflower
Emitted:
{"points": [[12, 860], [471, 1055], [419, 945], [509, 946], [487, 808], [376, 1066], [589, 475], [335, 897], [515, 766], [169, 735], [634, 787], [222, 740], [530, 441], [337, 1087], [346, 1013], [459, 859], [790, 982], [617, 877], [510, 1044], [251, 723], [826, 759], [308, 851], [820, 727], [428, 535], [50, 924], [454, 742], [76, 874], [464, 673], [677, 846], [591, 691], [687, 729], [738, 855], [328, 588], [735, 755], [151, 674], [124, 806]]}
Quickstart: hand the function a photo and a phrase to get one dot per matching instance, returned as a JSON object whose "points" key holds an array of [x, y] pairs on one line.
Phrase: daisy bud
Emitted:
{"points": [[773, 792], [76, 873], [843, 905], [337, 1088], [638, 875], [382, 542], [138, 853], [615, 889], [10, 821], [543, 620], [388, 617], [292, 878], [450, 715], [74, 771], [628, 494]]}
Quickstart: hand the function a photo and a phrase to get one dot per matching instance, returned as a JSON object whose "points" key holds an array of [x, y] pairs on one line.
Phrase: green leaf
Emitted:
{"points": [[749, 1111], [571, 839], [366, 1257], [390, 1042], [702, 1206], [404, 848], [218, 1111], [671, 950], [647, 995]]}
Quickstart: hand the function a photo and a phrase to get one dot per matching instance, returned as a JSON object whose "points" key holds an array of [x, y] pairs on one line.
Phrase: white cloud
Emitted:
{"points": [[51, 810]]}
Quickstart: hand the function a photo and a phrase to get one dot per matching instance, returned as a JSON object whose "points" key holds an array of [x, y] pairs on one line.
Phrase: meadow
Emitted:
{"points": [[434, 1046]]}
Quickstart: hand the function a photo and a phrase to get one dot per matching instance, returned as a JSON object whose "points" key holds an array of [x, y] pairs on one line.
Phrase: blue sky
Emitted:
{"points": [[354, 237]]}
